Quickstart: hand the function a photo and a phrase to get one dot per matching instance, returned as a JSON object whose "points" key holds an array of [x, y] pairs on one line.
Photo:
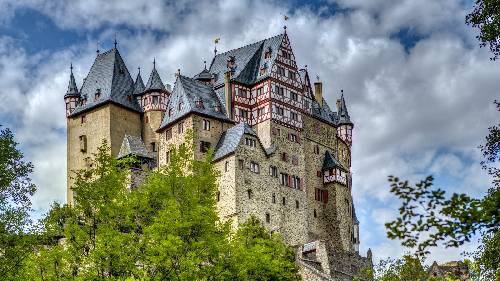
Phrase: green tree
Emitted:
{"points": [[486, 17], [167, 229], [15, 192], [428, 217]]}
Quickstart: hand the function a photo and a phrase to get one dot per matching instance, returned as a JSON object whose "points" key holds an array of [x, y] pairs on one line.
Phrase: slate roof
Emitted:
{"points": [[72, 89], [343, 114], [138, 85], [134, 146], [354, 217], [189, 91], [203, 75], [329, 162], [324, 113], [154, 81], [249, 60], [230, 140], [110, 75]]}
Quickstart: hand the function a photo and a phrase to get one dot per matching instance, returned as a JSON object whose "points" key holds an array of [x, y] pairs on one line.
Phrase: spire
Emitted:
{"points": [[139, 84], [344, 117], [154, 81], [115, 43], [72, 89]]}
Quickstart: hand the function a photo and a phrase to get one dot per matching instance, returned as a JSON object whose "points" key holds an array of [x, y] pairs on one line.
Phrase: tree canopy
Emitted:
{"points": [[166, 229], [486, 17]]}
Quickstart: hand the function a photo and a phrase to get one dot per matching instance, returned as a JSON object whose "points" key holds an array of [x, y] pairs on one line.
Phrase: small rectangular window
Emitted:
{"points": [[180, 128], [242, 93], [294, 96], [316, 149], [296, 204], [273, 171], [249, 192], [204, 146], [155, 99], [284, 201], [240, 164], [226, 166], [83, 119], [167, 157], [254, 167], [250, 142], [268, 218], [206, 125], [153, 146], [168, 134], [274, 198], [83, 143]]}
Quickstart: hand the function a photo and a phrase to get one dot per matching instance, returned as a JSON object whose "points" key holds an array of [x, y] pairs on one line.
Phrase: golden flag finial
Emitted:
{"points": [[216, 40], [285, 17]]}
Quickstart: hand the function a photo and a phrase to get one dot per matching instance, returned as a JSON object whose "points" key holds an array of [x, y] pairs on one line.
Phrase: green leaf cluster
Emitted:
{"points": [[166, 229]]}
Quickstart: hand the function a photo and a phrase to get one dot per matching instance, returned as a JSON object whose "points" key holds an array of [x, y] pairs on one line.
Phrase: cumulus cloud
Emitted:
{"points": [[419, 108]]}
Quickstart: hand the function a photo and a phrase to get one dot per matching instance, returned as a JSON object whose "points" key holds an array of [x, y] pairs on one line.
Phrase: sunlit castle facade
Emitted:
{"points": [[283, 153]]}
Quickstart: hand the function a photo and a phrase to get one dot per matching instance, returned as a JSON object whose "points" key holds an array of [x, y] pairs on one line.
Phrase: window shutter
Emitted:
{"points": [[325, 196]]}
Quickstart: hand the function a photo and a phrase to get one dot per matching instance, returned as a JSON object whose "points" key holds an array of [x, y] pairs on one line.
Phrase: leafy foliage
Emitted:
{"points": [[486, 17], [428, 217], [15, 191], [167, 229]]}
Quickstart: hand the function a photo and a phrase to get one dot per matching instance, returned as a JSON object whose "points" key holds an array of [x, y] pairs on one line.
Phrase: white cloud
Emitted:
{"points": [[416, 111]]}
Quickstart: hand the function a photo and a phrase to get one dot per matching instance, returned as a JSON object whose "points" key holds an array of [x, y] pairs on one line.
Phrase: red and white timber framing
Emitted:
{"points": [[154, 101]]}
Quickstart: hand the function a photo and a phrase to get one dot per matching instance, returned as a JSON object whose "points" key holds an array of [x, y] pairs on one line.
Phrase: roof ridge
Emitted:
{"points": [[244, 46]]}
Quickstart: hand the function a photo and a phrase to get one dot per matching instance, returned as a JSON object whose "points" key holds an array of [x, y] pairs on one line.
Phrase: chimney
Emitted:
{"points": [[318, 93], [229, 94]]}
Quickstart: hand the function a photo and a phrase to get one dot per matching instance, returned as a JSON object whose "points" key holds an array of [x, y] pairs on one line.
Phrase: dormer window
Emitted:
{"points": [[268, 53], [199, 103], [179, 107], [231, 61], [170, 112], [217, 108], [97, 94], [129, 98]]}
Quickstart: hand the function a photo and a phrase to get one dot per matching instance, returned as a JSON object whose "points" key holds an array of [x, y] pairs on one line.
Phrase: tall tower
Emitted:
{"points": [[106, 111], [153, 99], [72, 95]]}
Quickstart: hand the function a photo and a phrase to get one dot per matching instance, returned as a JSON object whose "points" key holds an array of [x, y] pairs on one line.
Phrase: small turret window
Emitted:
{"points": [[155, 99], [268, 218]]}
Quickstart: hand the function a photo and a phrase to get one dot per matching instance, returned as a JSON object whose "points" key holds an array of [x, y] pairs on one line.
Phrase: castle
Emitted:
{"points": [[283, 153]]}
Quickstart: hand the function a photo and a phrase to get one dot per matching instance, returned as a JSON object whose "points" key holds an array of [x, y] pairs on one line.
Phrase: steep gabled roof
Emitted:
{"points": [[110, 76], [72, 89], [196, 97], [134, 146], [154, 81], [230, 140], [330, 162], [248, 61], [324, 112], [138, 85]]}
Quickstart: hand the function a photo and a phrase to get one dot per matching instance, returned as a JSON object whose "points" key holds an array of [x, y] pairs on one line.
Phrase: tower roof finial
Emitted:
{"points": [[216, 41], [154, 63], [97, 47], [71, 67], [285, 17], [139, 69], [205, 63], [116, 43]]}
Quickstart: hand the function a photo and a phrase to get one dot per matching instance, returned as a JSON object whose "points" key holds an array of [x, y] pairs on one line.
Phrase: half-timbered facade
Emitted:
{"points": [[283, 153]]}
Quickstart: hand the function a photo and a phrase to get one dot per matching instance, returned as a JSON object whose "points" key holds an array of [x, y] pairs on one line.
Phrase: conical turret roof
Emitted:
{"points": [[154, 81], [138, 85], [72, 88], [343, 115]]}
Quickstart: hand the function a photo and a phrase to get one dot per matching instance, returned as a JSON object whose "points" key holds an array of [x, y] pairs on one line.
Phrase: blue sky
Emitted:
{"points": [[418, 87]]}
